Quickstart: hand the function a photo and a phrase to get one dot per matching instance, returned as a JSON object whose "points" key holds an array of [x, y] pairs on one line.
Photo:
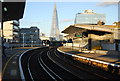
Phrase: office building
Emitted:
{"points": [[89, 17], [11, 31], [30, 35]]}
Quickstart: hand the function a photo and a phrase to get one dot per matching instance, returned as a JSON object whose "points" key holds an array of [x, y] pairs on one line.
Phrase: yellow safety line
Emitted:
{"points": [[7, 63]]}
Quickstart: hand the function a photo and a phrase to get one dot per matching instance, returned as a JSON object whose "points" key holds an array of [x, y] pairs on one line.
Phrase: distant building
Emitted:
{"points": [[42, 34], [43, 37], [30, 35], [53, 39], [11, 31], [89, 17], [55, 33], [61, 38]]}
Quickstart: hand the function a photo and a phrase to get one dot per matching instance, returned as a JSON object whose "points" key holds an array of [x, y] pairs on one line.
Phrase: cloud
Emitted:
{"points": [[66, 20], [105, 4]]}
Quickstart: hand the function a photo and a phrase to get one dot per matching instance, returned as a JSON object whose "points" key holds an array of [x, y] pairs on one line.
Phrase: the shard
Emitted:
{"points": [[55, 34]]}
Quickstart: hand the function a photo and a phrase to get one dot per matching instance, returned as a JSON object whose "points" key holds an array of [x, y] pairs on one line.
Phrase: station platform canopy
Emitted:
{"points": [[85, 28], [12, 10], [72, 29]]}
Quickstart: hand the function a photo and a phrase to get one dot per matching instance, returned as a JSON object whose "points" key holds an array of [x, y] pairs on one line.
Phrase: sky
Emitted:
{"points": [[40, 13]]}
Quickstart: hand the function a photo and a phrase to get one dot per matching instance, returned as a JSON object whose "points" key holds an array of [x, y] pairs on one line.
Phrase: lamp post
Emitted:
{"points": [[31, 40], [23, 35]]}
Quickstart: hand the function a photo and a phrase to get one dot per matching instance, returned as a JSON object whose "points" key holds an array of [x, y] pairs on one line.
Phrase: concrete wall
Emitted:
{"points": [[117, 34], [83, 43], [109, 46], [80, 42], [68, 44]]}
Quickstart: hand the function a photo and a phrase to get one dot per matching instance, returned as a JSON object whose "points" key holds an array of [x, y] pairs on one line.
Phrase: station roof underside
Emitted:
{"points": [[12, 10], [73, 29]]}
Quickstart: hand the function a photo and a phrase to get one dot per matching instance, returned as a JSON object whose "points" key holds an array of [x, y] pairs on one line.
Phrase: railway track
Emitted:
{"points": [[50, 72], [88, 68], [37, 66], [72, 67], [30, 65], [45, 64]]}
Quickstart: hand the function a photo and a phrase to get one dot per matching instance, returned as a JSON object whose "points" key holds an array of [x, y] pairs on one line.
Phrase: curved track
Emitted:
{"points": [[37, 66], [45, 64]]}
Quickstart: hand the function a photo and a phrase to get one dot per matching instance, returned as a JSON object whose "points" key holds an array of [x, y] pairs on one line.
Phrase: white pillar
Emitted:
{"points": [[0, 53]]}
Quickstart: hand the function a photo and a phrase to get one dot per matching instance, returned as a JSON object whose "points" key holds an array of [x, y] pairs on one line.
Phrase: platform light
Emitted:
{"points": [[1, 0], [5, 9]]}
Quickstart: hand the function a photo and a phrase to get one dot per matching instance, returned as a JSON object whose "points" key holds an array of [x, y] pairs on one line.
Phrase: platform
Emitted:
{"points": [[102, 55], [10, 65]]}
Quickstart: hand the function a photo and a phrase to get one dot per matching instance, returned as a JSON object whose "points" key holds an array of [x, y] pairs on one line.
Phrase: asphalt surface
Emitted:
{"points": [[10, 67]]}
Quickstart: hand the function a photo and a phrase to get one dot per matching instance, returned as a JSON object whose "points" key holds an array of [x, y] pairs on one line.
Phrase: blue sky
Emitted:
{"points": [[40, 13]]}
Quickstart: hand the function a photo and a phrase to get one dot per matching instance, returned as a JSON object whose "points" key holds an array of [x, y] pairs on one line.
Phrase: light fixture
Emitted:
{"points": [[5, 9]]}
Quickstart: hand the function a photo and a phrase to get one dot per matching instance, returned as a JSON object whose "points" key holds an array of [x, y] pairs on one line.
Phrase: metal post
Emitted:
{"points": [[2, 39], [23, 38], [89, 43], [31, 40], [116, 45]]}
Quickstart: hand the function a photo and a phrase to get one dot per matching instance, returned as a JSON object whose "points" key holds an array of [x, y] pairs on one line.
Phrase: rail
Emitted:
{"points": [[112, 67]]}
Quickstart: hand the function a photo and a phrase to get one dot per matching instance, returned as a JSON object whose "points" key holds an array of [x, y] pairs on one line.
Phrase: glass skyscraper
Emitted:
{"points": [[89, 17]]}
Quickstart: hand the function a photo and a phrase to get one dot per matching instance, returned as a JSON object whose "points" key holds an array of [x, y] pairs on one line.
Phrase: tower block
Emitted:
{"points": [[55, 33]]}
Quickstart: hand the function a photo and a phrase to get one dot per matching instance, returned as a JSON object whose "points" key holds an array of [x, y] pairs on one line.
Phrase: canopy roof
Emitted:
{"points": [[72, 29], [75, 29], [12, 10]]}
